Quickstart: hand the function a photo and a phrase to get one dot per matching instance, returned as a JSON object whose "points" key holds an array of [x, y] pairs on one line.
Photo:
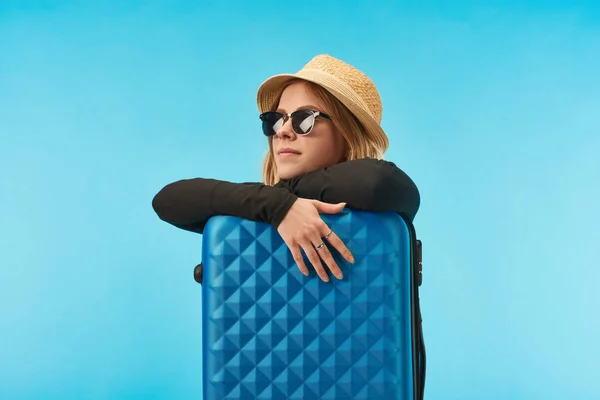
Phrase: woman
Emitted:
{"points": [[325, 145]]}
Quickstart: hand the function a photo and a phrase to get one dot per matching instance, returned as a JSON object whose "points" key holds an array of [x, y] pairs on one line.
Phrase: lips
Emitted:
{"points": [[287, 151]]}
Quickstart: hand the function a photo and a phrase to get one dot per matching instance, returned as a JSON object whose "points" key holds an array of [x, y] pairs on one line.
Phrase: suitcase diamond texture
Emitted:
{"points": [[272, 333]]}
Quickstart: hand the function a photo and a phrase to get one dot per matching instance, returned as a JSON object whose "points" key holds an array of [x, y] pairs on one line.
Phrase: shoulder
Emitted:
{"points": [[369, 164], [373, 168], [363, 170]]}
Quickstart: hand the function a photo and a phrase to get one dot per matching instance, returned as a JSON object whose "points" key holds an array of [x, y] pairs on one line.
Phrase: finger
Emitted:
{"points": [[337, 243], [326, 256], [295, 250], [328, 208], [315, 260]]}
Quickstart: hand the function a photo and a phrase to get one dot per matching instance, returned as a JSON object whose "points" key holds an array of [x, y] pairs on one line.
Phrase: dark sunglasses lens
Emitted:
{"points": [[303, 121], [271, 123]]}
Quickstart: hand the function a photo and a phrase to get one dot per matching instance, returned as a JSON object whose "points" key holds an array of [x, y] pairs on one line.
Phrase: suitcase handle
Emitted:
{"points": [[419, 263], [198, 273]]}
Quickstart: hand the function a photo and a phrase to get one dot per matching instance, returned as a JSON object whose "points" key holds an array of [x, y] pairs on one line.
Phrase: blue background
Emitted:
{"points": [[493, 110]]}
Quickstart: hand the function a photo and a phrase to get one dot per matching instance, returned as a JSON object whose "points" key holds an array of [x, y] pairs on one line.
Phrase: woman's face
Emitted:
{"points": [[297, 154]]}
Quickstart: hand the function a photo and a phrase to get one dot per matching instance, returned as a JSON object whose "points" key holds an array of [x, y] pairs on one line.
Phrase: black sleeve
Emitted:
{"points": [[364, 184], [189, 203]]}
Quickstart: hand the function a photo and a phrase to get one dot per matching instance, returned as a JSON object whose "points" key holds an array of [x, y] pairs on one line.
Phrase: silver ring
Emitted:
{"points": [[320, 245], [329, 234]]}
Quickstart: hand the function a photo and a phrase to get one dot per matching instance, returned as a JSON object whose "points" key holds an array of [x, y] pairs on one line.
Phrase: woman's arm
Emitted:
{"points": [[364, 184], [189, 203]]}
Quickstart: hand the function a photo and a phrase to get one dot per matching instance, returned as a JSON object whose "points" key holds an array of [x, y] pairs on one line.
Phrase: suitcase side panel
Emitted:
{"points": [[270, 332]]}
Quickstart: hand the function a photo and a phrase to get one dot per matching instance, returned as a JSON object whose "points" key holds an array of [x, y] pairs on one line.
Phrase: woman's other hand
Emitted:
{"points": [[303, 228]]}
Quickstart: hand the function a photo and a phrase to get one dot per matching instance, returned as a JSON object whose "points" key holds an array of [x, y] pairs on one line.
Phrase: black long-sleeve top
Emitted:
{"points": [[365, 184]]}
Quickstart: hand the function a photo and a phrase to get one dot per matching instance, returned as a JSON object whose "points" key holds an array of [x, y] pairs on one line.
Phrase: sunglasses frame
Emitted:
{"points": [[316, 114]]}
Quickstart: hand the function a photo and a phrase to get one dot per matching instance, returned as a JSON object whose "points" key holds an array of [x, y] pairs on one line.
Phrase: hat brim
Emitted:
{"points": [[270, 91]]}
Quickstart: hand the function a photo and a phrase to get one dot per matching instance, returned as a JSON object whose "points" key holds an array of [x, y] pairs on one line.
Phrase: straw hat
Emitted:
{"points": [[349, 85]]}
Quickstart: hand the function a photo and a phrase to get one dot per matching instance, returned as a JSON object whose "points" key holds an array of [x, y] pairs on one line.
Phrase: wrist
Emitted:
{"points": [[281, 209]]}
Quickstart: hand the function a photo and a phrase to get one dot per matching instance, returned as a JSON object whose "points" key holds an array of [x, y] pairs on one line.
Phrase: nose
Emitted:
{"points": [[286, 130]]}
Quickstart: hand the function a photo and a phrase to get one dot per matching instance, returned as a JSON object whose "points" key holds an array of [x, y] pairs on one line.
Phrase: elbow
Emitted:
{"points": [[162, 204], [395, 191]]}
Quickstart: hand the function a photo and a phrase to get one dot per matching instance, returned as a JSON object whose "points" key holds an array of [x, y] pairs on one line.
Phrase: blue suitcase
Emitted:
{"points": [[269, 332]]}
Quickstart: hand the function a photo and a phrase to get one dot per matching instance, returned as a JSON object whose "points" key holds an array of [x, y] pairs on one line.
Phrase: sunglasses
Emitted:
{"points": [[303, 121]]}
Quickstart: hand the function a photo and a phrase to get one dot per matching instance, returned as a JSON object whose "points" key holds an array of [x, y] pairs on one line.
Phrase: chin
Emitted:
{"points": [[286, 173], [289, 171]]}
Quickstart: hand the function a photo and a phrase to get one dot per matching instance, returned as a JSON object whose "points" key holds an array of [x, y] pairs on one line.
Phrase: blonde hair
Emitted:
{"points": [[359, 144]]}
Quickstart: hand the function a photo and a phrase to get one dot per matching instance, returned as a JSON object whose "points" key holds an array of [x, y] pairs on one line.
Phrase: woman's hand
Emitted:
{"points": [[303, 228]]}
